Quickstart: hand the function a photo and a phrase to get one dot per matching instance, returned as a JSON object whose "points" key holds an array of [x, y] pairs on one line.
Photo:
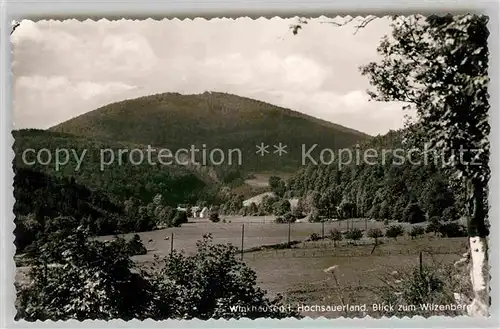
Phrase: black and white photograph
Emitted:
{"points": [[328, 166]]}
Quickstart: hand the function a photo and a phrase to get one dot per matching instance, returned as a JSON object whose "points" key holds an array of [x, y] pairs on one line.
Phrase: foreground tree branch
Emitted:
{"points": [[15, 25], [363, 22], [439, 66]]}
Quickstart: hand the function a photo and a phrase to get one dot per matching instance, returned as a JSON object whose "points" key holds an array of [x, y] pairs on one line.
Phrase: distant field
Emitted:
{"points": [[259, 230]]}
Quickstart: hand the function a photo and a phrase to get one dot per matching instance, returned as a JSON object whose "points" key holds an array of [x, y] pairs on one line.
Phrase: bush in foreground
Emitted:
{"points": [[91, 279], [434, 283]]}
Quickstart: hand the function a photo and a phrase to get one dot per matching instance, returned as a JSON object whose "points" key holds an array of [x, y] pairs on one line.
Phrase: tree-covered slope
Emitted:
{"points": [[383, 186], [177, 184], [216, 120]]}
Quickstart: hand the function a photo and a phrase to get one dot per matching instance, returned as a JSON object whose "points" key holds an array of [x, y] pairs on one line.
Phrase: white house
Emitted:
{"points": [[195, 211], [204, 212]]}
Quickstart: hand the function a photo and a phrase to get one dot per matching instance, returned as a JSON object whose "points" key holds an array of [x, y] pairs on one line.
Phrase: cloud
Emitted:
{"points": [[65, 68], [352, 109], [41, 101]]}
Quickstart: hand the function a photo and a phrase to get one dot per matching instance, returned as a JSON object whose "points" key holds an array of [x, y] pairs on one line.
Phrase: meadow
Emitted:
{"points": [[299, 273], [258, 231]]}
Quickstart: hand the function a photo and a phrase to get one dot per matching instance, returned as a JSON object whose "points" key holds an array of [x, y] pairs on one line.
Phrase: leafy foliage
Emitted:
{"points": [[214, 217], [452, 230], [90, 279], [414, 214], [335, 235], [121, 179], [416, 231], [381, 191], [439, 66], [84, 279], [426, 285], [136, 247], [375, 233], [394, 231], [434, 225], [354, 234]]}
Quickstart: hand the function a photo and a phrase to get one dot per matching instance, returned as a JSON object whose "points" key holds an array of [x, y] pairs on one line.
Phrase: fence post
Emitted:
{"points": [[172, 244], [366, 224], [323, 230], [420, 264], [289, 229], [242, 238]]}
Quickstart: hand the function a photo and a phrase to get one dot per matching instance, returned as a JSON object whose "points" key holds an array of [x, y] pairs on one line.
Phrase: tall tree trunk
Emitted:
{"points": [[478, 244]]}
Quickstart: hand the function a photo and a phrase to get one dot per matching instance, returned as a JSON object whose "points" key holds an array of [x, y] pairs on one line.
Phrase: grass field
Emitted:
{"points": [[298, 273], [258, 230]]}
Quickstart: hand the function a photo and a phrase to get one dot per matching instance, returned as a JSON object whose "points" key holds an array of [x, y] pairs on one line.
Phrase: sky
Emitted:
{"points": [[62, 69]]}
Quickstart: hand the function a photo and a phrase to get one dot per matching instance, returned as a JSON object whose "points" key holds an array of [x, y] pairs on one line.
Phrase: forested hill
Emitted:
{"points": [[44, 202], [216, 120], [120, 181], [379, 189]]}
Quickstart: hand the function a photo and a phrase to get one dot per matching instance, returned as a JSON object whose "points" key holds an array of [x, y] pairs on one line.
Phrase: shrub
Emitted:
{"points": [[214, 217], [434, 225], [208, 285], [384, 212], [354, 234], [282, 207], [314, 237], [394, 231], [427, 285], [179, 218], [314, 216], [98, 280], [289, 218], [335, 235], [414, 214], [453, 230], [374, 212], [298, 213], [375, 233], [416, 231], [347, 209], [279, 220], [450, 214], [136, 247], [253, 209]]}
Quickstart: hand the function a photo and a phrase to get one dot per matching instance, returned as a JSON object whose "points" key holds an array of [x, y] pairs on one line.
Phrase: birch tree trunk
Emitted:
{"points": [[478, 244]]}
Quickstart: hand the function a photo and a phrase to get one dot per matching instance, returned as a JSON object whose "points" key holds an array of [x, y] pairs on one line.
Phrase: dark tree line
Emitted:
{"points": [[45, 204]]}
